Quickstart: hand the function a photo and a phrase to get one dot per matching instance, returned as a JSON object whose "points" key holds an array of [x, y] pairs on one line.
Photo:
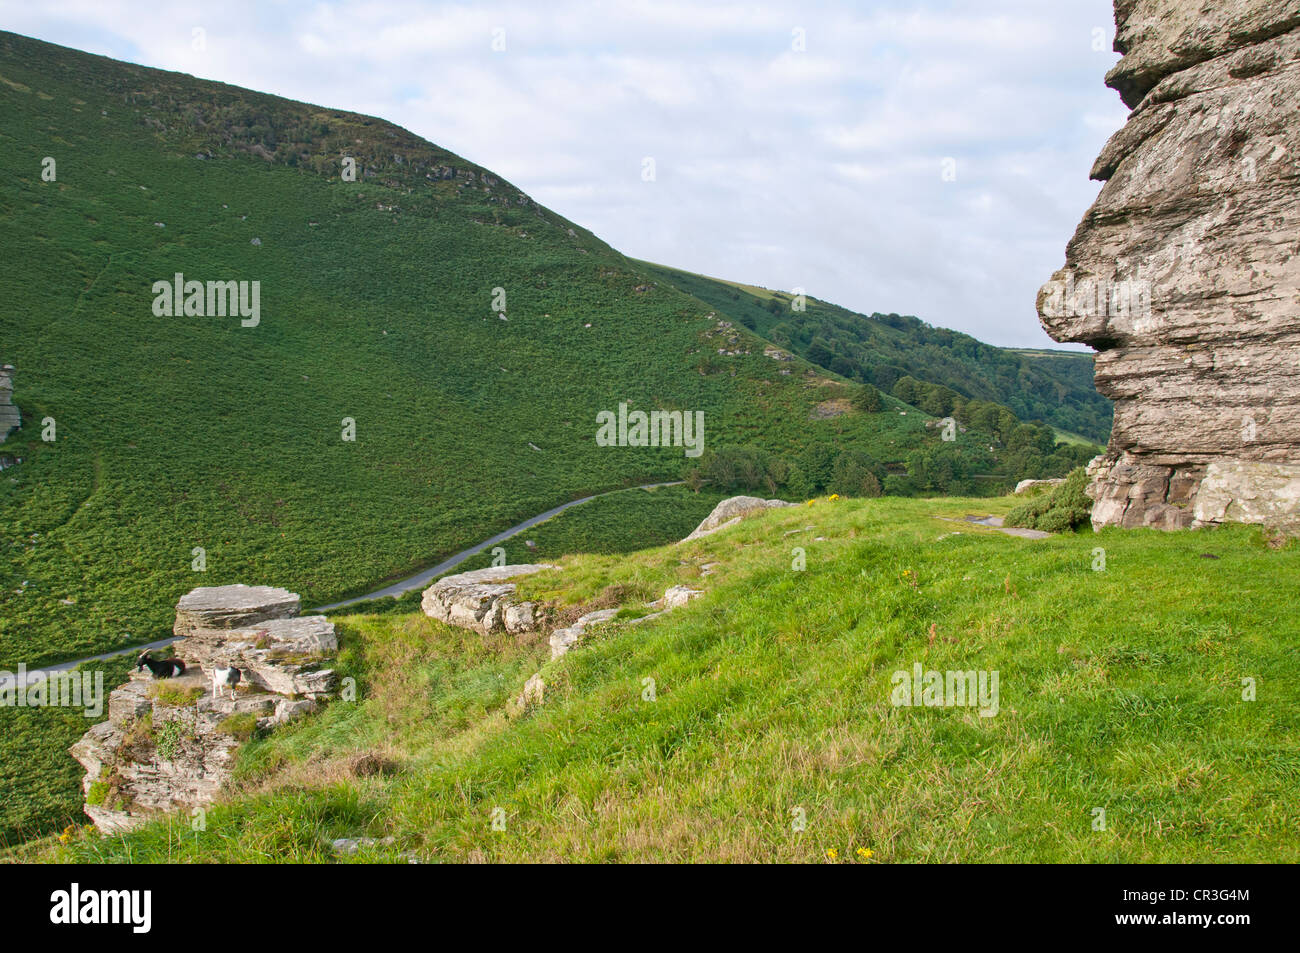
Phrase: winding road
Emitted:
{"points": [[422, 578]]}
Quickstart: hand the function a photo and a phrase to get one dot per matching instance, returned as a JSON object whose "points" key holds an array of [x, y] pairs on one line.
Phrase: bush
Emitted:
{"points": [[746, 469], [854, 475], [867, 399], [1065, 508]]}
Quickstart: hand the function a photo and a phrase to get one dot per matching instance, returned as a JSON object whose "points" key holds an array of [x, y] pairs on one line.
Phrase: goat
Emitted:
{"points": [[229, 677], [167, 668]]}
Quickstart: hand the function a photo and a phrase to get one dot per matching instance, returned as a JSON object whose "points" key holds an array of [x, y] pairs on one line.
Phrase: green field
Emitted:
{"points": [[1121, 689]]}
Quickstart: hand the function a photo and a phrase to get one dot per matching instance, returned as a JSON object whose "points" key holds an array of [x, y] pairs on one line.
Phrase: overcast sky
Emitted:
{"points": [[793, 144]]}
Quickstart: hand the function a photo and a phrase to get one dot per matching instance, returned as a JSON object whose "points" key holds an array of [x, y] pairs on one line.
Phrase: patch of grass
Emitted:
{"points": [[40, 781], [241, 726], [174, 695]]}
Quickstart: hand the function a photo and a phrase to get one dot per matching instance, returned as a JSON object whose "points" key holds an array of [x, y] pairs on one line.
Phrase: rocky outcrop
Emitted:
{"points": [[482, 600], [562, 639], [229, 607], [1183, 273], [731, 511], [279, 655], [169, 744], [10, 418], [1024, 486]]}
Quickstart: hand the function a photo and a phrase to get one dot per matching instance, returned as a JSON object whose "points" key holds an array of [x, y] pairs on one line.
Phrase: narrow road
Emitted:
{"points": [[396, 589], [426, 576]]}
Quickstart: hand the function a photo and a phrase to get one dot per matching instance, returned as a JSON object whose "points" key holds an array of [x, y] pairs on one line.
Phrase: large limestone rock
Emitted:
{"points": [[1183, 273], [230, 607], [169, 744], [482, 600], [280, 655], [730, 511], [151, 757]]}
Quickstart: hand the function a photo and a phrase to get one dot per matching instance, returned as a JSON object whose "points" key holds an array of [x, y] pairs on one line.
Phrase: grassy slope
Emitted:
{"points": [[1036, 384], [1120, 689], [175, 433]]}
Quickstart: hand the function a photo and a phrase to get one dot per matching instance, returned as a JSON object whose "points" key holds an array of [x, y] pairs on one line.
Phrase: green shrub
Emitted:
{"points": [[854, 475], [1065, 508], [867, 399], [170, 737]]}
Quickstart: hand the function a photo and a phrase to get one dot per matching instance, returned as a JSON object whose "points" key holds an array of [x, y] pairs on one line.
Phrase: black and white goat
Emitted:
{"points": [[229, 677], [167, 668]]}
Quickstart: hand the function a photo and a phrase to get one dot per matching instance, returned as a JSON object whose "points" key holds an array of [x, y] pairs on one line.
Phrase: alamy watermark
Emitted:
{"points": [[213, 299], [658, 428], [1091, 297], [40, 689], [951, 689]]}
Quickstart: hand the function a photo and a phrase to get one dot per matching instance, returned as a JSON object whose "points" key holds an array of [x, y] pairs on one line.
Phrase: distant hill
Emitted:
{"points": [[1055, 387]]}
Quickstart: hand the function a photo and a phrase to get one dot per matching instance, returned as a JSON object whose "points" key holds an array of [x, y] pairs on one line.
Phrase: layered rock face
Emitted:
{"points": [[1183, 273], [482, 600], [731, 511], [169, 744]]}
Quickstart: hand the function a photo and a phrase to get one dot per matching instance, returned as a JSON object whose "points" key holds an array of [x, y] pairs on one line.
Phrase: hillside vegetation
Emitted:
{"points": [[708, 733], [881, 349]]}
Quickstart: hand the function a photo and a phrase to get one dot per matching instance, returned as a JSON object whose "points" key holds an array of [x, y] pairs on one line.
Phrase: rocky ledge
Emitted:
{"points": [[169, 744], [1183, 274], [482, 600], [731, 511]]}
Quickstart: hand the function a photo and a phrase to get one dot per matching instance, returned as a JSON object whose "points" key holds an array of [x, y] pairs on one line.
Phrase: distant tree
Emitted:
{"points": [[819, 353], [854, 474], [908, 390], [844, 367], [817, 463], [867, 399]]}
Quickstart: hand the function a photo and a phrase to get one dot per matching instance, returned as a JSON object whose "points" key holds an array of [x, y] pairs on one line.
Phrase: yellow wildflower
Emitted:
{"points": [[865, 852], [832, 853]]}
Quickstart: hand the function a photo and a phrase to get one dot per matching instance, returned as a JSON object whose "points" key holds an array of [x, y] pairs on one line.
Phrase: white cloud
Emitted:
{"points": [[776, 167]]}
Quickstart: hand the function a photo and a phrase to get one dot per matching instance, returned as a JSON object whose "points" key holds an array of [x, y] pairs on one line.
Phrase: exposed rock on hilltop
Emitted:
{"points": [[229, 607], [482, 600], [1183, 273], [731, 511], [168, 744]]}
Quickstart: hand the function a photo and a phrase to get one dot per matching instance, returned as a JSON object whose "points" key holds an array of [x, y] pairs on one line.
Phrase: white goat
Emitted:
{"points": [[225, 677]]}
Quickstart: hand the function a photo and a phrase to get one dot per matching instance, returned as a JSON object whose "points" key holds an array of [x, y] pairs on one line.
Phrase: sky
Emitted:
{"points": [[925, 157]]}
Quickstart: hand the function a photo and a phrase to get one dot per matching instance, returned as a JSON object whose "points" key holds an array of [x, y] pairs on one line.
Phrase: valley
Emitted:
{"points": [[356, 377]]}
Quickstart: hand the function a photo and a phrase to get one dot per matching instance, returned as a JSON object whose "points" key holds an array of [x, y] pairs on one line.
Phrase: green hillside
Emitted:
{"points": [[376, 304], [705, 734], [1055, 387]]}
